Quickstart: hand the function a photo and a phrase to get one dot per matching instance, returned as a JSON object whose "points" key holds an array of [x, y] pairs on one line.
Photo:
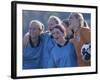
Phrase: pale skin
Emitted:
{"points": [[74, 23], [59, 36], [53, 21], [34, 32]]}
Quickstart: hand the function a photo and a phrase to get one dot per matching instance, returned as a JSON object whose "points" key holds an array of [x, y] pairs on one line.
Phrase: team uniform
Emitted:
{"points": [[48, 45], [84, 37], [63, 56], [32, 55]]}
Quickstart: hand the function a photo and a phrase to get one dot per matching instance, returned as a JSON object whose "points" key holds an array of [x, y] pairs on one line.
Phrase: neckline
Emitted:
{"points": [[31, 44], [63, 45]]}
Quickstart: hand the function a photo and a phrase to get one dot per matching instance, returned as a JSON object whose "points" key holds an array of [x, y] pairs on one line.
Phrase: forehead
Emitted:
{"points": [[56, 30], [34, 24], [51, 20]]}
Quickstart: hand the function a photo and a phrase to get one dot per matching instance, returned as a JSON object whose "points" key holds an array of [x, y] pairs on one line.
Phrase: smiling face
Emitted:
{"points": [[75, 21], [34, 30], [58, 33], [51, 23], [53, 20]]}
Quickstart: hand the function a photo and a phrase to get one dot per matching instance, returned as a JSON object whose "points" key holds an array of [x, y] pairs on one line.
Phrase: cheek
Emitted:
{"points": [[55, 35], [32, 32], [76, 22], [60, 35], [38, 32], [73, 22], [35, 33]]}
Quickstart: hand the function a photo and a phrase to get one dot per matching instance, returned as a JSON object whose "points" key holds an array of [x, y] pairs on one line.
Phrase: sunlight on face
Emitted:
{"points": [[57, 34], [73, 22], [34, 30], [51, 24]]}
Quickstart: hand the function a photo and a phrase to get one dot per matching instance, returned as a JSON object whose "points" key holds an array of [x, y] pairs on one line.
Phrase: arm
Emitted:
{"points": [[25, 39], [72, 61]]}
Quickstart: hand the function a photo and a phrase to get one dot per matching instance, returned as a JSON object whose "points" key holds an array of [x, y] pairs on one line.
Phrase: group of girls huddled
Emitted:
{"points": [[55, 47]]}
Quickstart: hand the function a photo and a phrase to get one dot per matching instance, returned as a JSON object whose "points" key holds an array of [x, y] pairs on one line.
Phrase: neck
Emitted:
{"points": [[35, 41], [61, 42]]}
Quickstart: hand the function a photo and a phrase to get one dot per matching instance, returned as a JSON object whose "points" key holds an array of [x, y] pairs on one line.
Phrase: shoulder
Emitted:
{"points": [[84, 30], [71, 44], [44, 34], [85, 34]]}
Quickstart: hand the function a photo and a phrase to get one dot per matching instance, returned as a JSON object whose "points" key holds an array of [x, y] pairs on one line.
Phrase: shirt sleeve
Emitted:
{"points": [[73, 57]]}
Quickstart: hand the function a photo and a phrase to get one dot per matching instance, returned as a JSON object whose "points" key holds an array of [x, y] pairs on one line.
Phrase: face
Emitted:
{"points": [[57, 34], [34, 30], [73, 22], [51, 24]]}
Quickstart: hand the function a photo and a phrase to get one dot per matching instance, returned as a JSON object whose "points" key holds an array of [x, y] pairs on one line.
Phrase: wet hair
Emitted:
{"points": [[60, 27], [66, 22], [57, 19], [41, 26]]}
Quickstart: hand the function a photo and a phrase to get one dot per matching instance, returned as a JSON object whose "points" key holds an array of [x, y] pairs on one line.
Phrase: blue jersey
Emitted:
{"points": [[48, 45], [32, 56], [63, 56]]}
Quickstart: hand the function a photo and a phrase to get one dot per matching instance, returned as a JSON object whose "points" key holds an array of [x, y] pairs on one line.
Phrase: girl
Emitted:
{"points": [[49, 43], [63, 53], [32, 51], [47, 39], [82, 35]]}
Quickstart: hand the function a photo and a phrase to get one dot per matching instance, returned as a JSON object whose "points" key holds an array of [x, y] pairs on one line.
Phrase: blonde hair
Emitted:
{"points": [[78, 16], [57, 19], [41, 26]]}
